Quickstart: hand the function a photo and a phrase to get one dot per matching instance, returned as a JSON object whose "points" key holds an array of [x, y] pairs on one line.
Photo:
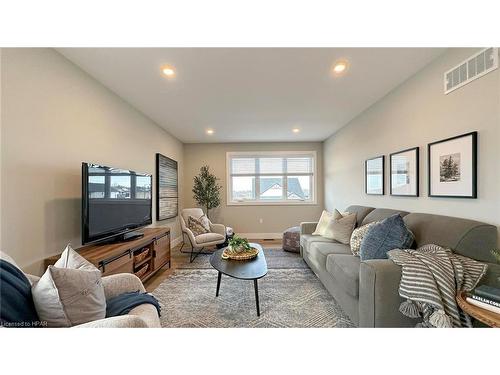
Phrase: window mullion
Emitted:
{"points": [[257, 179], [285, 180]]}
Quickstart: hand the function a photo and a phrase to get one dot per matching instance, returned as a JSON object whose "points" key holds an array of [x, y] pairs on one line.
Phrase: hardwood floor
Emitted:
{"points": [[164, 273]]}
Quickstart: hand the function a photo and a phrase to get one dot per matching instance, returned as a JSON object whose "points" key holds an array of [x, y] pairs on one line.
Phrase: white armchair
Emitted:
{"points": [[216, 236]]}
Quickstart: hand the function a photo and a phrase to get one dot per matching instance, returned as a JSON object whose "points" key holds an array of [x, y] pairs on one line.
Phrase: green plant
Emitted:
{"points": [[496, 254], [239, 243], [206, 190]]}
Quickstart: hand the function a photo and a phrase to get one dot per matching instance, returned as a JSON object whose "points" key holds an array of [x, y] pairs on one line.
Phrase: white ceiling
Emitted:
{"points": [[251, 94]]}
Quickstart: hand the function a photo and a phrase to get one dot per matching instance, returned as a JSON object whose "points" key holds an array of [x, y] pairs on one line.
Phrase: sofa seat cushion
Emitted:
{"points": [[318, 251], [345, 269], [209, 237], [307, 239]]}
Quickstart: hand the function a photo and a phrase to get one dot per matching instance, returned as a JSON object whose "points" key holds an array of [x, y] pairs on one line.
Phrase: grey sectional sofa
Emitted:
{"points": [[368, 290]]}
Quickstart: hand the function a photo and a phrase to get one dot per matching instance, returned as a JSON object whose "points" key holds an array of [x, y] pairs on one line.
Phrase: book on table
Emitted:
{"points": [[489, 292], [483, 305]]}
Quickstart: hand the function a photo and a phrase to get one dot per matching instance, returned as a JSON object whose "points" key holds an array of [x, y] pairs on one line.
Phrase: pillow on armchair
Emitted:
{"points": [[199, 226]]}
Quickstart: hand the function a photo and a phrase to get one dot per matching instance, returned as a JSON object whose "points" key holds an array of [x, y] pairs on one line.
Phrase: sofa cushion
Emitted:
{"points": [[209, 237], [318, 251], [389, 234], [307, 239], [380, 214], [360, 211], [345, 269]]}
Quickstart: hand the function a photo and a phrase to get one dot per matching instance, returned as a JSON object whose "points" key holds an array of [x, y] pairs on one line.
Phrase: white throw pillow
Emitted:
{"points": [[341, 227], [324, 221], [70, 292]]}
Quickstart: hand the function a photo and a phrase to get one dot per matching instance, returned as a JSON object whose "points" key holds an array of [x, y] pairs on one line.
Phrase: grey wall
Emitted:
{"points": [[246, 218], [415, 114], [54, 116]]}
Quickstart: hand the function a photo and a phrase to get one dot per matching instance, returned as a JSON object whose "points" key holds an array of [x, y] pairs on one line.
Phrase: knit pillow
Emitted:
{"points": [[357, 237], [198, 226], [388, 234]]}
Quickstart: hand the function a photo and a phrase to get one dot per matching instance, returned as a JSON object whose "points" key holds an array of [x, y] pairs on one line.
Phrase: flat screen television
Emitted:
{"points": [[114, 203]]}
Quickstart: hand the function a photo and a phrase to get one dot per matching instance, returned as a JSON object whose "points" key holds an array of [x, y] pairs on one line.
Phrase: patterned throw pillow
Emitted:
{"points": [[197, 225], [357, 237], [389, 234]]}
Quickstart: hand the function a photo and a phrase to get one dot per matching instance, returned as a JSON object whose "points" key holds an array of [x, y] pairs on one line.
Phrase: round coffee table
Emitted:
{"points": [[252, 269]]}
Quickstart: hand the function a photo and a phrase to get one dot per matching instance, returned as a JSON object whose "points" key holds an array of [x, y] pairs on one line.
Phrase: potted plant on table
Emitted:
{"points": [[238, 244]]}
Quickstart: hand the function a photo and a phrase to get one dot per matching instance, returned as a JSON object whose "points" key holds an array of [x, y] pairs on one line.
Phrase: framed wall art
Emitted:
{"points": [[452, 167], [404, 179], [167, 188], [374, 176]]}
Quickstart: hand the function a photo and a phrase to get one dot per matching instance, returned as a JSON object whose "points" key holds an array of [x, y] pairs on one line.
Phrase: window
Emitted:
{"points": [[271, 177]]}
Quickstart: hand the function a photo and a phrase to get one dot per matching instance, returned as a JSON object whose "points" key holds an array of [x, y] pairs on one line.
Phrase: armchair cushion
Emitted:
{"points": [[209, 237]]}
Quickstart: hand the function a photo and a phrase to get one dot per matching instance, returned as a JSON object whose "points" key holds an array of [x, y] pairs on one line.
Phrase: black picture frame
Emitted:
{"points": [[417, 176], [473, 195], [167, 187], [383, 174]]}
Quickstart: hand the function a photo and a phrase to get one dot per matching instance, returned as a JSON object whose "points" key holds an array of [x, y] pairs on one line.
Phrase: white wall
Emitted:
{"points": [[415, 114], [246, 219], [54, 116]]}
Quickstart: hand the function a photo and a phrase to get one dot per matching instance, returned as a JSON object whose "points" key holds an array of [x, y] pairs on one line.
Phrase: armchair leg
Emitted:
{"points": [[192, 254]]}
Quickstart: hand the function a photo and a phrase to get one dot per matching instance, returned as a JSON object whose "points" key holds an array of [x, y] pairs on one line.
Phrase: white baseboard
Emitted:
{"points": [[261, 236]]}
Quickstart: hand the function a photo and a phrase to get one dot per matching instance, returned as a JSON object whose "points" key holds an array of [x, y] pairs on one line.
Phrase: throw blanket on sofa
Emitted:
{"points": [[431, 278], [123, 303]]}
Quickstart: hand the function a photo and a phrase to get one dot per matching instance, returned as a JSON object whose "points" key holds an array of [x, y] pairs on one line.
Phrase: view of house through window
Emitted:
{"points": [[271, 177]]}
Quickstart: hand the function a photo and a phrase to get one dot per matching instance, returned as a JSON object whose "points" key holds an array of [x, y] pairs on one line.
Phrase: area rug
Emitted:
{"points": [[275, 258], [289, 297]]}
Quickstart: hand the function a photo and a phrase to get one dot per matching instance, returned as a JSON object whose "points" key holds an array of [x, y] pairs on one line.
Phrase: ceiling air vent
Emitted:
{"points": [[473, 68]]}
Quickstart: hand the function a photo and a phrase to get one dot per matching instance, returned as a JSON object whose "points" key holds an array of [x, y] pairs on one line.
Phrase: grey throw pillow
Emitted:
{"points": [[341, 227], [385, 236], [70, 292]]}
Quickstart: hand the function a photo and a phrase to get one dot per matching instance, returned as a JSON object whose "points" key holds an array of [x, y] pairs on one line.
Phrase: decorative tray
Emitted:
{"points": [[244, 255]]}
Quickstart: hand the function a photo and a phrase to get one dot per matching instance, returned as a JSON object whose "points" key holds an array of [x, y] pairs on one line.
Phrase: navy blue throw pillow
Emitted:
{"points": [[17, 308], [389, 234]]}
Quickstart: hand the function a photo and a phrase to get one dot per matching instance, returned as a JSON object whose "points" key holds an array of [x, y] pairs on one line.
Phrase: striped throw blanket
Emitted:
{"points": [[431, 278]]}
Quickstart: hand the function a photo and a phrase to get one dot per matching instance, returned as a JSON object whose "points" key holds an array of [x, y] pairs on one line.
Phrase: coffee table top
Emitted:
{"points": [[241, 269]]}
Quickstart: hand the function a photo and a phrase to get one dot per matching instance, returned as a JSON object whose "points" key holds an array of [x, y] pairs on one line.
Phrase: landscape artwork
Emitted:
{"points": [[452, 167]]}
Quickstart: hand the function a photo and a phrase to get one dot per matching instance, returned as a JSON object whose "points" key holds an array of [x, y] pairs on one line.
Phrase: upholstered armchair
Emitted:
{"points": [[216, 236]]}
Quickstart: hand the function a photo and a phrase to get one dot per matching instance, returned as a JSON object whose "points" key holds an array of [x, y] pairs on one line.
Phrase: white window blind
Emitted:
{"points": [[275, 177]]}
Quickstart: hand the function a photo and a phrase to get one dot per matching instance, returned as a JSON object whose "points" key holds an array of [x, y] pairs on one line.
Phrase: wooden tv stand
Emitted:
{"points": [[142, 257]]}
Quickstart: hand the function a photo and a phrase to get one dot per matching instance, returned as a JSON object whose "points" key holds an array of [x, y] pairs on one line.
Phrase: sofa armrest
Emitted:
{"points": [[120, 283], [218, 228], [308, 227], [123, 321], [379, 298]]}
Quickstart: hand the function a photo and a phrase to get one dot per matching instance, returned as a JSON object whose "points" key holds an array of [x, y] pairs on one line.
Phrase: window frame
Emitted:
{"points": [[274, 202]]}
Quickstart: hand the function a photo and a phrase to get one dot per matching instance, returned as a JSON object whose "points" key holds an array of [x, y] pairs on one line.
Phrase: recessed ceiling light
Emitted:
{"points": [[296, 130], [168, 71], [210, 131], [340, 67]]}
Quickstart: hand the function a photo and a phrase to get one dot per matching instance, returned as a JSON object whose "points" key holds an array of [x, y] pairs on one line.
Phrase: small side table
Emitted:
{"points": [[487, 317]]}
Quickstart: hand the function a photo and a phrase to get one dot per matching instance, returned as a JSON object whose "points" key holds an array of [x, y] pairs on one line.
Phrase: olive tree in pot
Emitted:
{"points": [[206, 190]]}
